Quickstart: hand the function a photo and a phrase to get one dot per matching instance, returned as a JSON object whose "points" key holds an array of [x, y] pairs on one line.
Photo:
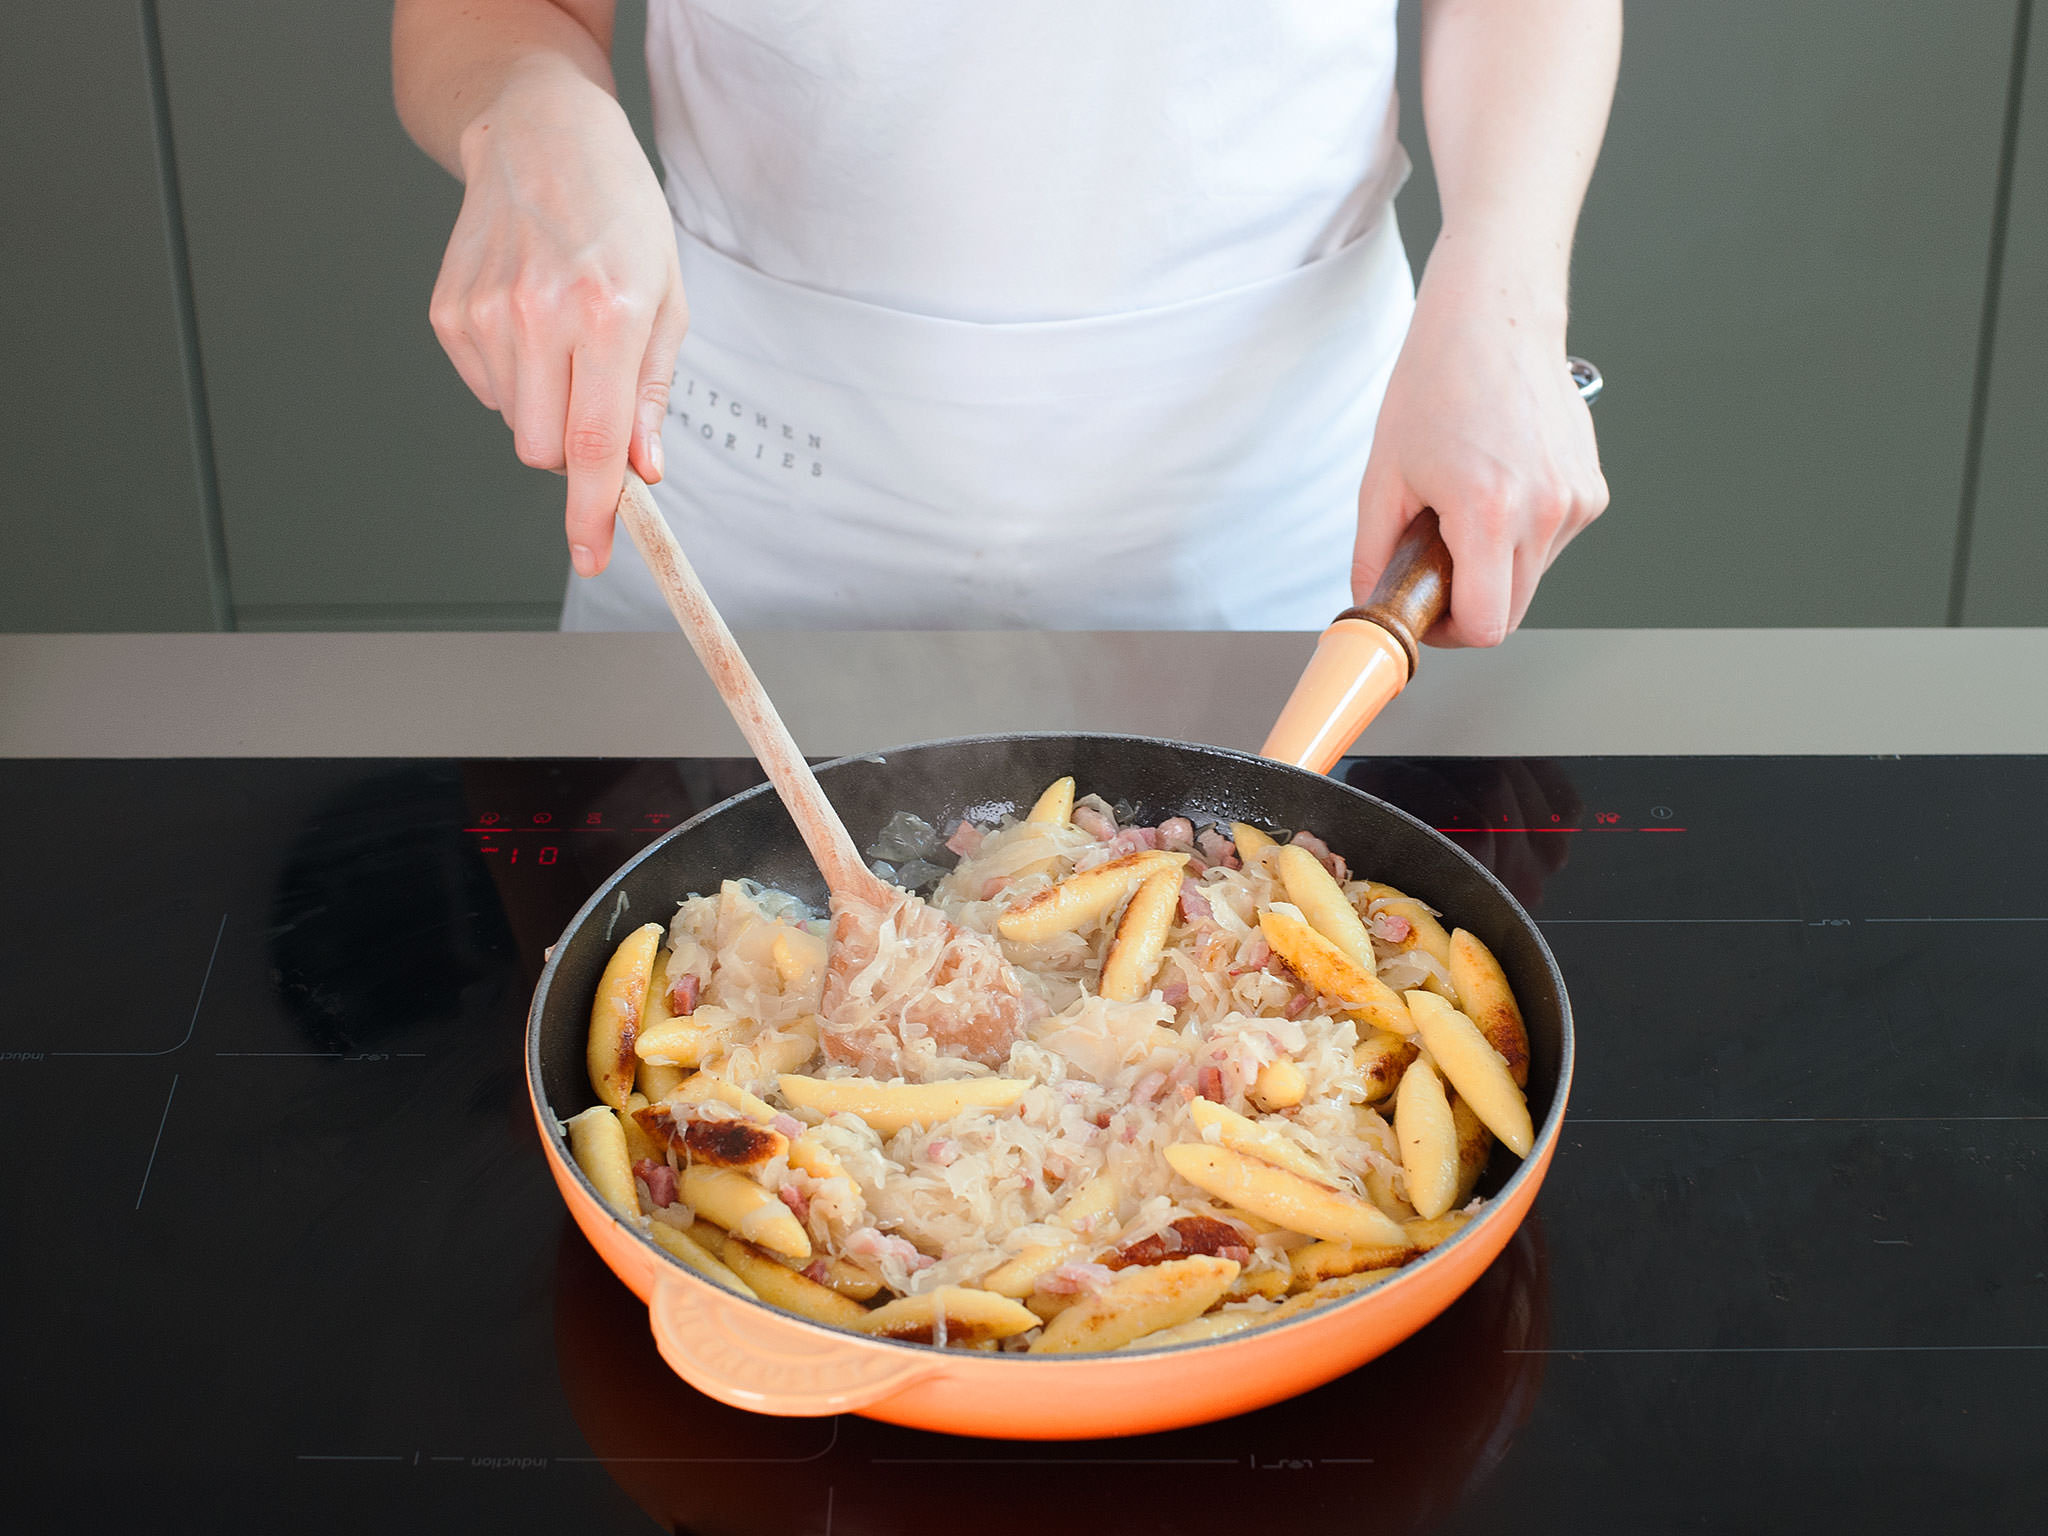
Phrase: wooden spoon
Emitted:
{"points": [[969, 999], [847, 875]]}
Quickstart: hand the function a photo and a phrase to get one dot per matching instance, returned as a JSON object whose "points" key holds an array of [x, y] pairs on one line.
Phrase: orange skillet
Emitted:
{"points": [[757, 1357]]}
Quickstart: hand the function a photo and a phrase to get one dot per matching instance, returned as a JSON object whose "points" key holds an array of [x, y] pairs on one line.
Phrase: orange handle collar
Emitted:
{"points": [[1368, 655], [1356, 671]]}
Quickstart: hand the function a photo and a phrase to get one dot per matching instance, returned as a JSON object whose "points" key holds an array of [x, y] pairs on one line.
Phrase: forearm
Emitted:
{"points": [[1515, 94], [1480, 420], [452, 59]]}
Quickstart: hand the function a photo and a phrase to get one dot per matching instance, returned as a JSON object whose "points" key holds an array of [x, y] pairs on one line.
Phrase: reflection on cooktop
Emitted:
{"points": [[284, 1252]]}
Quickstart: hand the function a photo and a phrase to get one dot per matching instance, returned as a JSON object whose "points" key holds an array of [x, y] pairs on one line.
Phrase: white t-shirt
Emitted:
{"points": [[1018, 160]]}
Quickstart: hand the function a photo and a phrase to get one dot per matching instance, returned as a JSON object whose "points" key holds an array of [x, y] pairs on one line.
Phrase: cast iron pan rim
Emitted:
{"points": [[1546, 1134]]}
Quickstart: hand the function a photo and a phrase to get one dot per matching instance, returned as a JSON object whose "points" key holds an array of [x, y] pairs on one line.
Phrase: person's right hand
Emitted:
{"points": [[560, 301]]}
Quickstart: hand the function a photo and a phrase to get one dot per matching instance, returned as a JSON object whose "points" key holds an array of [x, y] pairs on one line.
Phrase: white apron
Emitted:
{"points": [[841, 454]]}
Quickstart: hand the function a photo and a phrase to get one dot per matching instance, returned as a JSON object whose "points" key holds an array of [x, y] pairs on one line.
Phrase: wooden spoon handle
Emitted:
{"points": [[846, 873], [1414, 591]]}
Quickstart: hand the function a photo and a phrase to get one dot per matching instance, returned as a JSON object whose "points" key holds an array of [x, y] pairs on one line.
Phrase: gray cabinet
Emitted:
{"points": [[362, 486], [102, 507], [1782, 269], [2007, 538]]}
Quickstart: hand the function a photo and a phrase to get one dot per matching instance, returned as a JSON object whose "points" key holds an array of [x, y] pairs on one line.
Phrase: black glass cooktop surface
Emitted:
{"points": [[281, 1253]]}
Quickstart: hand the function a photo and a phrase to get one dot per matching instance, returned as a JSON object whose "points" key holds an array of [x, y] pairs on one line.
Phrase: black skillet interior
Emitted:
{"points": [[985, 777]]}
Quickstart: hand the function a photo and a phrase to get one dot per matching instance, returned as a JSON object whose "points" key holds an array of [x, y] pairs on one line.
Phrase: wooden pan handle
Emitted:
{"points": [[846, 873], [1414, 591]]}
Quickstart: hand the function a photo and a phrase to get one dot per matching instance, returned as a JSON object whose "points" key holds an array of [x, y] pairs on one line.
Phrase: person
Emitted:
{"points": [[1055, 314]]}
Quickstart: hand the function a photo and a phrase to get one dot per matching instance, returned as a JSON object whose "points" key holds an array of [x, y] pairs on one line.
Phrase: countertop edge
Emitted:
{"points": [[1546, 693]]}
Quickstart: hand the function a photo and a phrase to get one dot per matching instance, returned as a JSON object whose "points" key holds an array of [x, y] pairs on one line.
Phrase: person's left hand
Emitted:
{"points": [[1482, 422]]}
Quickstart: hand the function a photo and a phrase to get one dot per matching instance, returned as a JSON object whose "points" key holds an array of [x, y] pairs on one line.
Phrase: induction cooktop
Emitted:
{"points": [[281, 1252]]}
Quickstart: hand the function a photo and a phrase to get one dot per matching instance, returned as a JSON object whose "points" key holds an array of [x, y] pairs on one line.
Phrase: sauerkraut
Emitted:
{"points": [[1053, 1182]]}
